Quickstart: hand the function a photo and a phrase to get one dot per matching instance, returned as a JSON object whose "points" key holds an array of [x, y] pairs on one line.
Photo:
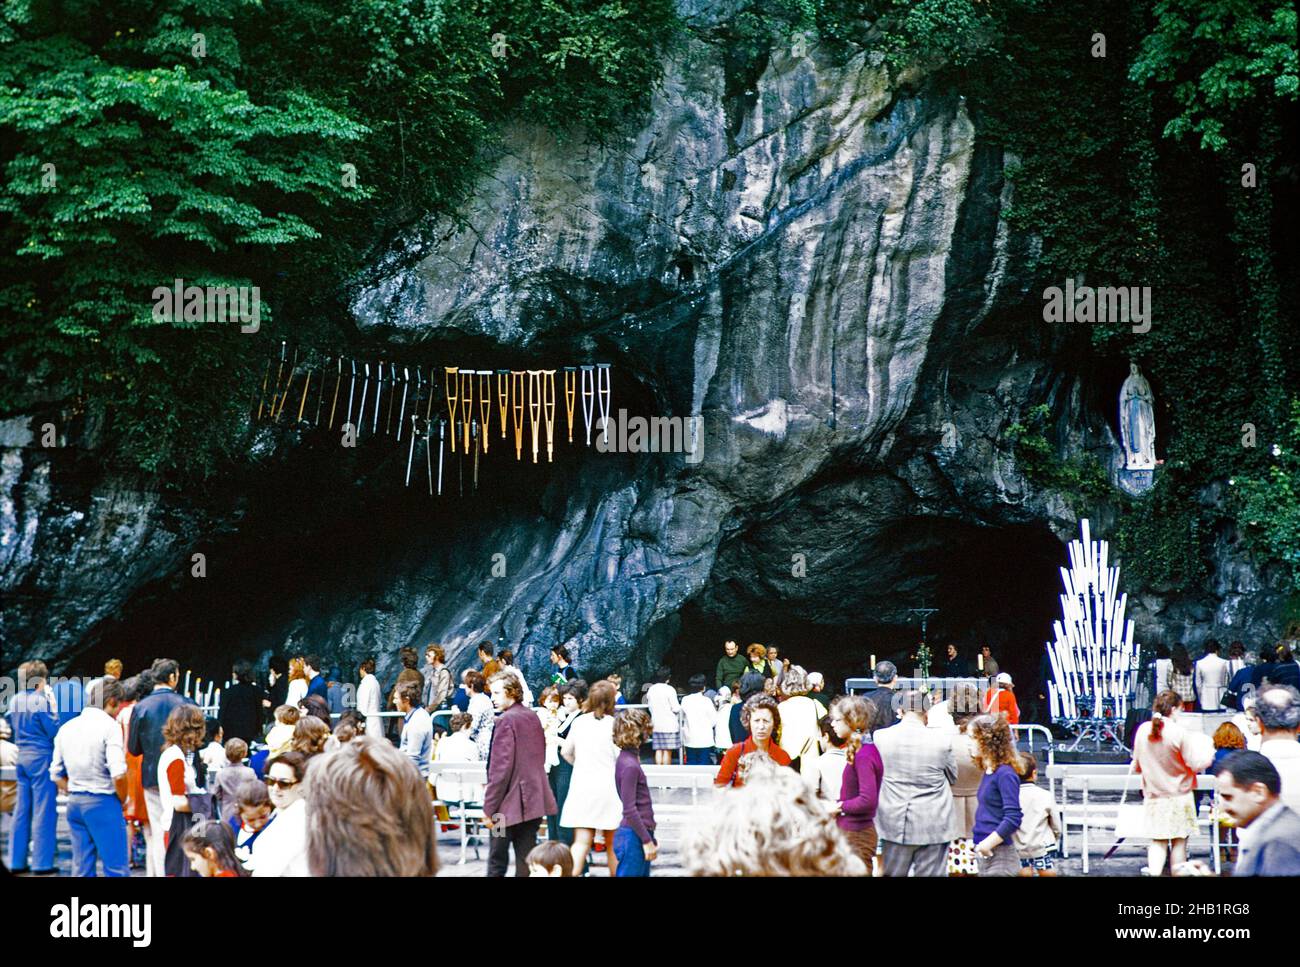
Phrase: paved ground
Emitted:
{"points": [[1126, 862]]}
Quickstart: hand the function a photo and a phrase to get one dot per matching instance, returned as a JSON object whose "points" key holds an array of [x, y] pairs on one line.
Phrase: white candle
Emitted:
{"points": [[981, 662], [873, 663], [187, 682]]}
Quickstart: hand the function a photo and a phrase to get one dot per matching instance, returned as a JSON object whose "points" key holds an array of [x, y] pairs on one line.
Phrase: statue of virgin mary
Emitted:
{"points": [[1137, 421]]}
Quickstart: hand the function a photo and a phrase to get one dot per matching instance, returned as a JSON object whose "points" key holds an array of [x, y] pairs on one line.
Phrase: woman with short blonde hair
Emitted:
{"points": [[799, 836]]}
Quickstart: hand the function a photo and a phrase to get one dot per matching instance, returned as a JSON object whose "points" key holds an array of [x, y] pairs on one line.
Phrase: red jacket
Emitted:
{"points": [[517, 790], [1005, 702], [728, 774]]}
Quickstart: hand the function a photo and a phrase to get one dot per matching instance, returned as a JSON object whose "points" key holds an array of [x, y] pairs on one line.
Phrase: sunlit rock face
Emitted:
{"points": [[814, 259]]}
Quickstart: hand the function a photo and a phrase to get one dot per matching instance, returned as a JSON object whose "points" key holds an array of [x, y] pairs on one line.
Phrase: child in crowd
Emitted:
{"points": [[699, 717], [548, 713], [831, 762], [551, 858], [210, 847], [456, 746], [722, 724], [280, 735], [1041, 826], [213, 752], [227, 780], [634, 841], [617, 680], [253, 814]]}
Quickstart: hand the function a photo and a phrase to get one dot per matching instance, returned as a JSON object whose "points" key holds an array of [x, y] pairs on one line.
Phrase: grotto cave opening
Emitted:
{"points": [[990, 584]]}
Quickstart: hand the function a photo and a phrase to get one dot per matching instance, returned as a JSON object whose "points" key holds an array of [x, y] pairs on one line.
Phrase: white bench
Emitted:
{"points": [[670, 817], [1089, 814]]}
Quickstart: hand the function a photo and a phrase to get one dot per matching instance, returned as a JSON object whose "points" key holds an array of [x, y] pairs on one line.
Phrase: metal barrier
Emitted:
{"points": [[1031, 728]]}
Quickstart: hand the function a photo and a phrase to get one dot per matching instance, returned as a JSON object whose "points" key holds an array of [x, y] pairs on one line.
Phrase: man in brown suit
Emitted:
{"points": [[518, 796]]}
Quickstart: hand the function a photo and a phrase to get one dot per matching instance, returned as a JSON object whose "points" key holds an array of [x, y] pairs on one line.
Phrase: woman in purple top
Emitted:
{"points": [[997, 813], [851, 718], [634, 840]]}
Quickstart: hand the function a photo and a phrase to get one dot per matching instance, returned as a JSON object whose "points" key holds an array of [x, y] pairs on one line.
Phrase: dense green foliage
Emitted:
{"points": [[1118, 195], [227, 168], [1036, 456], [206, 140]]}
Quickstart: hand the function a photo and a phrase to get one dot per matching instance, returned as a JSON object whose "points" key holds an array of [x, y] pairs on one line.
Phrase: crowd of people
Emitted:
{"points": [[288, 781]]}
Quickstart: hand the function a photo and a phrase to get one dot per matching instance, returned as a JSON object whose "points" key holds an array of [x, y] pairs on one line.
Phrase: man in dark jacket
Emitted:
{"points": [[316, 684], [148, 717], [731, 666], [517, 795], [954, 665], [1248, 788], [241, 705], [882, 696]]}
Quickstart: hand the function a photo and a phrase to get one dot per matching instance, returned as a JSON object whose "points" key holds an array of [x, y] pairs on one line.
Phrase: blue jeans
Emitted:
{"points": [[699, 757], [35, 813], [630, 853], [98, 832]]}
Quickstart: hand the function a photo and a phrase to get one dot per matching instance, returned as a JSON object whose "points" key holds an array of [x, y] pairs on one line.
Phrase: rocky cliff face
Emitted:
{"points": [[814, 260]]}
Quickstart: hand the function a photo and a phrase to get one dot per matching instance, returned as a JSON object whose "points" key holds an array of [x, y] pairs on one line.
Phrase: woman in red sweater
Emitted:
{"points": [[762, 718], [851, 717]]}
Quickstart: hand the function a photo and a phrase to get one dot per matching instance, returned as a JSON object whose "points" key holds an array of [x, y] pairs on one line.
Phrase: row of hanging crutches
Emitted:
{"points": [[386, 390]]}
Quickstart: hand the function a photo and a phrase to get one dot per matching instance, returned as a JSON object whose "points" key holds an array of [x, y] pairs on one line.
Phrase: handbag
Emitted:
{"points": [[1131, 823]]}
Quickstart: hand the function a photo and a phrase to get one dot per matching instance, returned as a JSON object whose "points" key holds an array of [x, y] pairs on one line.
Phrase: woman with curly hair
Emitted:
{"points": [[762, 720], [855, 813], [183, 733], [635, 846], [310, 736], [799, 837], [799, 717], [997, 812]]}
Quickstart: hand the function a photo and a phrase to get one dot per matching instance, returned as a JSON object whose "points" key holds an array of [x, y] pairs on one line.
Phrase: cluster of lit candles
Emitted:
{"points": [[211, 700]]}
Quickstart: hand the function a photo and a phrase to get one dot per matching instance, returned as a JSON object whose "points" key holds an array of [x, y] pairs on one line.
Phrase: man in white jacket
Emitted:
{"points": [[369, 698], [1212, 676]]}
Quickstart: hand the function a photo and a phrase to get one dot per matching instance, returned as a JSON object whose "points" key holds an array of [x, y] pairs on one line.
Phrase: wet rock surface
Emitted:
{"points": [[815, 261]]}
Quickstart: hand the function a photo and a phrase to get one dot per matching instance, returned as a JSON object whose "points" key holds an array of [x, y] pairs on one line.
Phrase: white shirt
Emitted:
{"points": [[1249, 729], [297, 692], [457, 747], [368, 705], [169, 755], [1163, 667], [940, 718], [700, 717], [281, 849], [88, 749], [1285, 756], [1212, 676], [484, 717], [213, 756], [722, 727], [830, 773], [662, 699]]}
